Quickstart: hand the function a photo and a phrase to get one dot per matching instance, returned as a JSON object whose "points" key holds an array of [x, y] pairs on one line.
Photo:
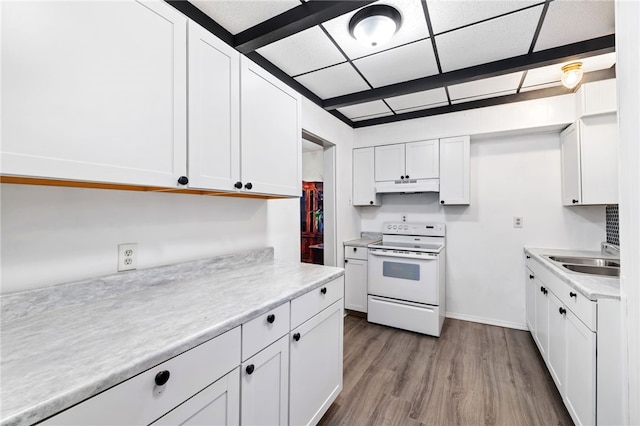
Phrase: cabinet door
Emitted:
{"points": [[422, 159], [454, 170], [580, 385], [316, 366], [530, 295], [556, 353], [364, 181], [599, 159], [265, 386], [570, 151], [542, 318], [389, 162], [217, 404], [270, 134], [101, 94], [214, 111], [355, 285]]}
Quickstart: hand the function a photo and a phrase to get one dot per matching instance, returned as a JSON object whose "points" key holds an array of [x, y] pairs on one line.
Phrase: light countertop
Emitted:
{"points": [[66, 343], [593, 287], [361, 242]]}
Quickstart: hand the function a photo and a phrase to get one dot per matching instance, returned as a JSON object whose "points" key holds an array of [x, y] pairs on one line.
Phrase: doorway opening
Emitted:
{"points": [[317, 201]]}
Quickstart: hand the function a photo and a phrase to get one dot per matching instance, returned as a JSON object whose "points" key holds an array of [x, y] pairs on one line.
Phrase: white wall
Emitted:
{"points": [[52, 235], [312, 165], [284, 215], [510, 176], [628, 51]]}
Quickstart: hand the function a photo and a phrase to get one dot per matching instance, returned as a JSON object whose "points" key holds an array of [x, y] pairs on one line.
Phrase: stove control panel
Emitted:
{"points": [[407, 228]]}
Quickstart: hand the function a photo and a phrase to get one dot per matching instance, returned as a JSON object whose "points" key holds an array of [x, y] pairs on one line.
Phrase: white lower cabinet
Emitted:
{"points": [[265, 386], [355, 278], [217, 404], [567, 330], [316, 365]]}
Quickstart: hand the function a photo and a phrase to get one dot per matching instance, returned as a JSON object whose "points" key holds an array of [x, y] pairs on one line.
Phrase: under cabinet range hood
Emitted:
{"points": [[408, 186]]}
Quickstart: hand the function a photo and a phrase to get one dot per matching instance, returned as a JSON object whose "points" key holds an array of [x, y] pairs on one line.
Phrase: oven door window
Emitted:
{"points": [[405, 271]]}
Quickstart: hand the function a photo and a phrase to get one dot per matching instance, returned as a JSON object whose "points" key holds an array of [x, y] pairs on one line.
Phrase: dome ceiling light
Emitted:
{"points": [[375, 25], [571, 74]]}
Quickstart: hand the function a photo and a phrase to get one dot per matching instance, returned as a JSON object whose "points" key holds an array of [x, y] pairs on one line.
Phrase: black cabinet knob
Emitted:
{"points": [[574, 201], [183, 180], [407, 176], [371, 202], [237, 185], [248, 185], [271, 318], [162, 377], [562, 311], [250, 368], [531, 277], [546, 291], [442, 202], [296, 337], [346, 261], [528, 257], [572, 294], [402, 177], [323, 290]]}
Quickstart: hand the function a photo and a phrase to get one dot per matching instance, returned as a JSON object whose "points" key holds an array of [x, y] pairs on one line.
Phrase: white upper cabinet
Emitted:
{"points": [[598, 97], [454, 170], [364, 189], [94, 91], [422, 160], [413, 160], [214, 111], [590, 161], [270, 132]]}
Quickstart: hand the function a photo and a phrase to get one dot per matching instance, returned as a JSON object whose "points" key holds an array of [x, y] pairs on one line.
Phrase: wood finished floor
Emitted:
{"points": [[473, 374]]}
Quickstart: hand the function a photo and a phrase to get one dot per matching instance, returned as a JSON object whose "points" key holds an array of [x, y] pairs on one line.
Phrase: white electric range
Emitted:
{"points": [[406, 271]]}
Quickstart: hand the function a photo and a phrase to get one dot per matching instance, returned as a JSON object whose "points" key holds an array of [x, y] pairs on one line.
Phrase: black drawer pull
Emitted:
{"points": [[572, 294], [531, 277], [271, 318], [250, 368], [562, 311], [323, 290], [296, 337], [162, 377], [528, 257]]}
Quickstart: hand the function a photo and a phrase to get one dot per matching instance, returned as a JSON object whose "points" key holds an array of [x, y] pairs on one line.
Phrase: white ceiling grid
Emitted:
{"points": [[330, 63]]}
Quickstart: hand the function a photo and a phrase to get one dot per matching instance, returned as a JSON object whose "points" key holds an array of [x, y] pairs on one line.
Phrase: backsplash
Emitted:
{"points": [[613, 234]]}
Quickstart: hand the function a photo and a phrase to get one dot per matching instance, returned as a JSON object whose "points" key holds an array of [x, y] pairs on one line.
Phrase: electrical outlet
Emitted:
{"points": [[127, 256], [517, 222], [404, 217]]}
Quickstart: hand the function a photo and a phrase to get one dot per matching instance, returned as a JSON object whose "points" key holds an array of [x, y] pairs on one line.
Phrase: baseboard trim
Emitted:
{"points": [[506, 324]]}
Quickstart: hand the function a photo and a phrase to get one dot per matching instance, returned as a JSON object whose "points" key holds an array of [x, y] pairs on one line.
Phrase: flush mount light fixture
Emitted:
{"points": [[571, 74], [375, 25]]}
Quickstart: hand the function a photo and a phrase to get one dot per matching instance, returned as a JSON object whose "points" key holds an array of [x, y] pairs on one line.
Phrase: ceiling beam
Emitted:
{"points": [[482, 103], [569, 52], [300, 18]]}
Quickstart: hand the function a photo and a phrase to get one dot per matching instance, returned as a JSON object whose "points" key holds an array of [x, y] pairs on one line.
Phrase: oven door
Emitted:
{"points": [[405, 276]]}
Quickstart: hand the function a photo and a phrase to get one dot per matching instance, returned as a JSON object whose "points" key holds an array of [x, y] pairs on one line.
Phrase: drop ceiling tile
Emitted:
{"points": [[447, 15], [368, 117], [420, 108], [488, 41], [501, 83], [485, 96], [552, 73], [236, 16], [414, 27], [570, 21], [367, 109], [403, 63], [305, 51], [418, 100], [333, 81]]}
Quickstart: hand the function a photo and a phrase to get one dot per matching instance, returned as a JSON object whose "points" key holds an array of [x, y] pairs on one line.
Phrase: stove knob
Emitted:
{"points": [[388, 226], [395, 226], [406, 227]]}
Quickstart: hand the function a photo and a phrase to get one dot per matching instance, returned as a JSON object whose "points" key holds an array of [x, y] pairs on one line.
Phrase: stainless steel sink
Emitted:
{"points": [[597, 270], [592, 261]]}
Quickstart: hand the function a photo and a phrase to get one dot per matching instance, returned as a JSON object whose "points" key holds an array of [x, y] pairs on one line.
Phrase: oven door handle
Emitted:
{"points": [[428, 256]]}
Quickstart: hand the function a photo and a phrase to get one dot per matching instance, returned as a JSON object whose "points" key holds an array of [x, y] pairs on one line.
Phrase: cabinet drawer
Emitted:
{"points": [[140, 401], [259, 333], [308, 305], [355, 252]]}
